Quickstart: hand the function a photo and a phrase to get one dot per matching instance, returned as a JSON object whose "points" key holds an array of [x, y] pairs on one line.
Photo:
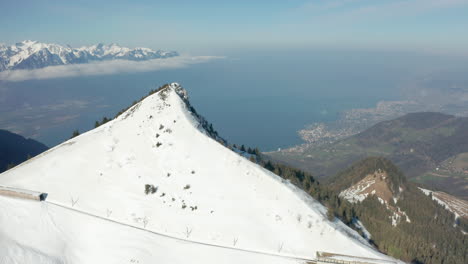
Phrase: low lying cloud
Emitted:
{"points": [[104, 68]]}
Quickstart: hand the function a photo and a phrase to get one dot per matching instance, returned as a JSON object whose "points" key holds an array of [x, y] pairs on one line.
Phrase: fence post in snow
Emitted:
{"points": [[188, 232], [280, 247], [73, 201]]}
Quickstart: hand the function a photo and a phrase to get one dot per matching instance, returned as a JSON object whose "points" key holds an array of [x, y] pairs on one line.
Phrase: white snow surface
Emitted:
{"points": [[97, 210], [357, 193], [358, 224]]}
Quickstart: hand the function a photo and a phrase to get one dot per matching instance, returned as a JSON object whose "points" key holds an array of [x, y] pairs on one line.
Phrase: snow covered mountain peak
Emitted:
{"points": [[31, 54], [27, 42], [153, 184]]}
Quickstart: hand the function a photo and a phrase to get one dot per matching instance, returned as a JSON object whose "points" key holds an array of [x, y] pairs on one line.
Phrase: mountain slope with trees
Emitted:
{"points": [[432, 235], [409, 240]]}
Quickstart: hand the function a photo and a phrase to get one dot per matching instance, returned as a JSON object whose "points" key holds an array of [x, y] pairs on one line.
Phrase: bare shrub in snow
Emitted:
{"points": [[234, 242], [150, 189], [186, 187], [163, 94], [280, 247], [74, 201], [188, 232]]}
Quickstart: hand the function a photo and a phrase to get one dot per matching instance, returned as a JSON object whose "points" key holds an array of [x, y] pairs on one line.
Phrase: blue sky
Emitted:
{"points": [[423, 25]]}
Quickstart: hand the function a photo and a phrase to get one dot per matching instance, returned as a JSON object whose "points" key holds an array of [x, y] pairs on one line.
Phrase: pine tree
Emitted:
{"points": [[75, 133], [256, 152]]}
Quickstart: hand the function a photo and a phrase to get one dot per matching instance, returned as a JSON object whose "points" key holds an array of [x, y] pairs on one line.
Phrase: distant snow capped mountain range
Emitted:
{"points": [[32, 54]]}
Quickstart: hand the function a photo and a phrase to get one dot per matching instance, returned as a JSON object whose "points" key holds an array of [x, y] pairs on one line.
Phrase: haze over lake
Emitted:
{"points": [[256, 97]]}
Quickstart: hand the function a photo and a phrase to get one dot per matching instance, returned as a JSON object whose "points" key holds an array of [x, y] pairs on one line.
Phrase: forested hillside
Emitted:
{"points": [[431, 236]]}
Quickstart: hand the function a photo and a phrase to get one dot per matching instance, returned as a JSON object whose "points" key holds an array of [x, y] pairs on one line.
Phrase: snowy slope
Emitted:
{"points": [[32, 54], [43, 233], [203, 192]]}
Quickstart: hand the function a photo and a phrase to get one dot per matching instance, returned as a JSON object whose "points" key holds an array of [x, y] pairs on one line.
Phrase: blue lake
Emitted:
{"points": [[256, 98]]}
